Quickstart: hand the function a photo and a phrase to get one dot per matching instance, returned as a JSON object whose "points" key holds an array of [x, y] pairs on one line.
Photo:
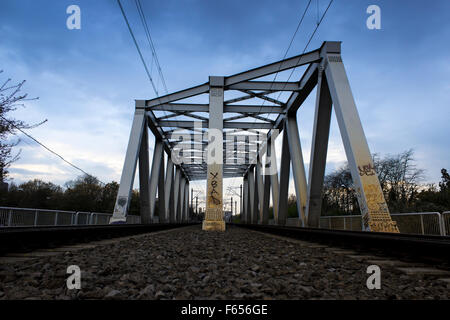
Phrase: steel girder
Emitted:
{"points": [[252, 126]]}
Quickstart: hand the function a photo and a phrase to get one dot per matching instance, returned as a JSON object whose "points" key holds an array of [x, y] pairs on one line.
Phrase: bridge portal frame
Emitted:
{"points": [[325, 70]]}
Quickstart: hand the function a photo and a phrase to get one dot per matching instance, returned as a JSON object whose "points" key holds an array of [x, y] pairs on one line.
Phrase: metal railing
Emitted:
{"points": [[14, 217], [445, 218], [432, 223], [348, 222]]}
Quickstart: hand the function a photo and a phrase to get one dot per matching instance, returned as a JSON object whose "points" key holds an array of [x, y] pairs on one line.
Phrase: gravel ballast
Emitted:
{"points": [[189, 263]]}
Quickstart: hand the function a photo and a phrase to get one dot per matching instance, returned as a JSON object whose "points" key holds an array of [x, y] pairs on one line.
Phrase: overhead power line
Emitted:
{"points": [[284, 57], [304, 50], [152, 48], [310, 38], [48, 149], [138, 49], [150, 42]]}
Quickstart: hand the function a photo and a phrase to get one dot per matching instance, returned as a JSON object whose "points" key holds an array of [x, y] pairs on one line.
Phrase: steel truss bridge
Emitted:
{"points": [[248, 131]]}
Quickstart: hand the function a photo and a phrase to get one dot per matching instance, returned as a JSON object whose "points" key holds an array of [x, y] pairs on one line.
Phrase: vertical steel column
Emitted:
{"points": [[260, 186], [298, 167], [182, 205], [255, 216], [158, 161], [284, 180], [168, 190], [319, 148], [129, 166], [371, 200], [144, 192], [161, 193], [266, 199], [176, 194], [245, 197], [250, 200], [192, 201], [186, 212], [247, 206], [241, 201], [252, 192], [273, 176]]}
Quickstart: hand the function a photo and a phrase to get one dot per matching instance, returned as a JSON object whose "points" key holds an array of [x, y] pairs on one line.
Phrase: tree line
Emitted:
{"points": [[86, 193], [399, 179]]}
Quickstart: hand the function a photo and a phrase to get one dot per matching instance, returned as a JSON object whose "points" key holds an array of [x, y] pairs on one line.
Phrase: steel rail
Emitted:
{"points": [[427, 248], [23, 239]]}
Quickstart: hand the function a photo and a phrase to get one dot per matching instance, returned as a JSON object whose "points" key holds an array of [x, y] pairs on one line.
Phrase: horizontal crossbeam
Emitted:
{"points": [[238, 125]]}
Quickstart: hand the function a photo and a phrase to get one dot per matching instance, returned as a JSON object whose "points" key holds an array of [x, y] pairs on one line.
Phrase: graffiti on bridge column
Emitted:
{"points": [[214, 192]]}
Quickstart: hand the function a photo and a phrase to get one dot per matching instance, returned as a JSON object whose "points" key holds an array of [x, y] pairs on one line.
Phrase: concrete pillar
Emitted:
{"points": [[214, 197]]}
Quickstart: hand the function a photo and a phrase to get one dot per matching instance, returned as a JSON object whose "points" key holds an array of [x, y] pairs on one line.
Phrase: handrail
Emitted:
{"points": [[438, 225]]}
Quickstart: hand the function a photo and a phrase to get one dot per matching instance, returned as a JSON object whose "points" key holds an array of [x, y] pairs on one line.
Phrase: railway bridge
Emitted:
{"points": [[211, 132], [215, 130]]}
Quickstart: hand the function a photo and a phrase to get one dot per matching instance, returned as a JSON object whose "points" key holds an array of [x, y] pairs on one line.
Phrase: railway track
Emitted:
{"points": [[25, 239], [420, 248], [245, 262]]}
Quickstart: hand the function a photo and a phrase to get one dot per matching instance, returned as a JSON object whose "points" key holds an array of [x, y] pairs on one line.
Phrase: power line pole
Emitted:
{"points": [[241, 201], [231, 205], [196, 205]]}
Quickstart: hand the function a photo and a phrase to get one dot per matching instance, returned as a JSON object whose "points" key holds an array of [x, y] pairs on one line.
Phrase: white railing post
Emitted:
{"points": [[421, 223], [36, 213], [444, 223], [441, 224], [9, 218], [56, 218]]}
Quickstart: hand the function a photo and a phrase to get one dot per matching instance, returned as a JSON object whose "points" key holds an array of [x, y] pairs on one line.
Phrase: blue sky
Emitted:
{"points": [[87, 79]]}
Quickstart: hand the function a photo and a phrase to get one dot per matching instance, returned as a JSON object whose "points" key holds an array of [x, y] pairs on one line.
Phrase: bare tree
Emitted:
{"points": [[10, 99], [399, 178]]}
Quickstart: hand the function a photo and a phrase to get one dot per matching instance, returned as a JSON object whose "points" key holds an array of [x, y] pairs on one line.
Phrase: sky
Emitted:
{"points": [[87, 79]]}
